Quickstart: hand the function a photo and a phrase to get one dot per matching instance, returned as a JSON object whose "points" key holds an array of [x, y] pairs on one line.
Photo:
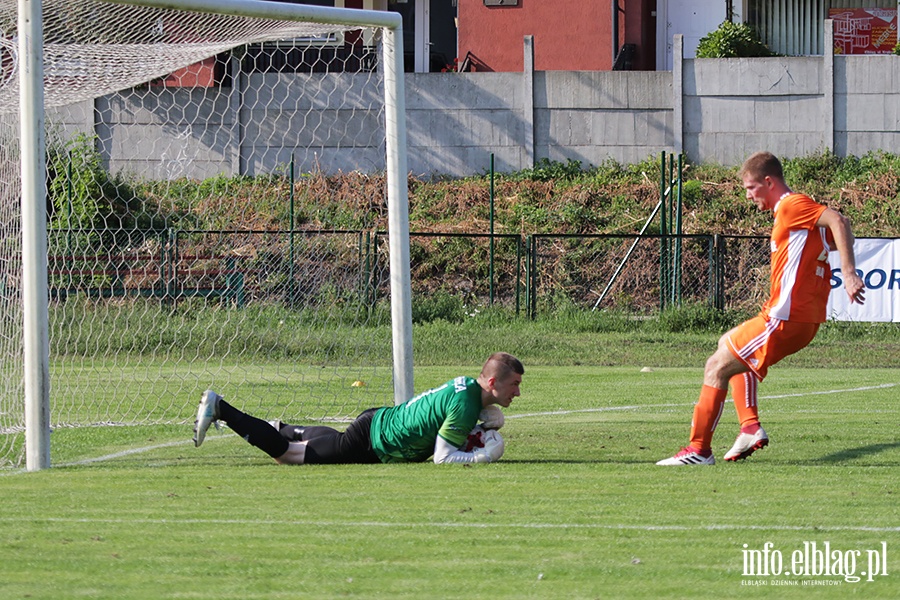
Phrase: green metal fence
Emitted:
{"points": [[530, 274], [641, 273], [236, 267]]}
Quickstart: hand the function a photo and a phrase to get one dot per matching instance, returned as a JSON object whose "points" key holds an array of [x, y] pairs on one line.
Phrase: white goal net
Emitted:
{"points": [[217, 190]]}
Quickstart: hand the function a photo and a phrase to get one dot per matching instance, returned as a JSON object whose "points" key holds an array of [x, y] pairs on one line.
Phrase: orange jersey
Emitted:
{"points": [[801, 275]]}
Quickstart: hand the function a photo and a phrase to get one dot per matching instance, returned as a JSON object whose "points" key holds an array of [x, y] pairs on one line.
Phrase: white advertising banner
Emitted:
{"points": [[878, 263]]}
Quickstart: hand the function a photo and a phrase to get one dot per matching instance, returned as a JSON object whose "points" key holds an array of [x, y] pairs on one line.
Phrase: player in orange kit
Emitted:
{"points": [[802, 235]]}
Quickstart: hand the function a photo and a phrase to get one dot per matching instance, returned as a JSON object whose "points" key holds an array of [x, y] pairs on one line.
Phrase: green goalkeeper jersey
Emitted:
{"points": [[407, 432]]}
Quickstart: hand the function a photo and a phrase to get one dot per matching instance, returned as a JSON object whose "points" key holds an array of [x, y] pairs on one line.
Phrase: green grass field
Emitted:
{"points": [[576, 508]]}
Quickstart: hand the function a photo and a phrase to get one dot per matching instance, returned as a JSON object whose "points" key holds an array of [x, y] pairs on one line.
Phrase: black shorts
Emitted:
{"points": [[327, 446]]}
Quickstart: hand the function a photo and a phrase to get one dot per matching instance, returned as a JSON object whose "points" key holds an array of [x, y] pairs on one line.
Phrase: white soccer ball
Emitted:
{"points": [[491, 417]]}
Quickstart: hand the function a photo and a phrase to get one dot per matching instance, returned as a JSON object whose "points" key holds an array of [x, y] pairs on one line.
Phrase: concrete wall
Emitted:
{"points": [[593, 116], [167, 133], [327, 121], [714, 110], [735, 106], [866, 104], [455, 121]]}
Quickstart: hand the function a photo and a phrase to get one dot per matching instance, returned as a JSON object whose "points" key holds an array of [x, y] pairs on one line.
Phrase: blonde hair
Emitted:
{"points": [[761, 165]]}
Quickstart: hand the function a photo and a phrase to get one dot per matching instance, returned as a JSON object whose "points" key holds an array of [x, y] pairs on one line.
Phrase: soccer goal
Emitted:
{"points": [[189, 196]]}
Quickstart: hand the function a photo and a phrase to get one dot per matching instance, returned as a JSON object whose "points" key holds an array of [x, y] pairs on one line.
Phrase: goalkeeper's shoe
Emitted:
{"points": [[207, 414], [746, 444], [688, 456]]}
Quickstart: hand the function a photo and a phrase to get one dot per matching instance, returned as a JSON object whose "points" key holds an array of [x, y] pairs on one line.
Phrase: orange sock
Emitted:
{"points": [[707, 412], [744, 390]]}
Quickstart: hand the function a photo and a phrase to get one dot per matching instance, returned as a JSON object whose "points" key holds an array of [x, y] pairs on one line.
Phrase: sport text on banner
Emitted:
{"points": [[878, 263]]}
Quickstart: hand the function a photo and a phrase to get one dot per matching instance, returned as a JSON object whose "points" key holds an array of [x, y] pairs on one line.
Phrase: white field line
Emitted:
{"points": [[517, 416], [131, 451], [430, 525], [640, 406], [859, 389], [593, 410], [115, 455], [408, 525]]}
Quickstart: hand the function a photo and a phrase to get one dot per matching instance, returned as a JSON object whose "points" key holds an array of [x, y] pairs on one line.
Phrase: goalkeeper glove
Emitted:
{"points": [[493, 445]]}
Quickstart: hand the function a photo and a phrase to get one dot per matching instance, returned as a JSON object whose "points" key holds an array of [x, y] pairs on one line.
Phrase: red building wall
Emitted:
{"points": [[569, 35]]}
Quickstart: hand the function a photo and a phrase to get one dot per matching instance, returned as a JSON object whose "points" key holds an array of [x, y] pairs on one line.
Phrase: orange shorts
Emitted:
{"points": [[761, 342]]}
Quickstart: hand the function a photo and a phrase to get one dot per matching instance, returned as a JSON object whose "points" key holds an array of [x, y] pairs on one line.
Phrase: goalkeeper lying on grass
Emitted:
{"points": [[439, 423]]}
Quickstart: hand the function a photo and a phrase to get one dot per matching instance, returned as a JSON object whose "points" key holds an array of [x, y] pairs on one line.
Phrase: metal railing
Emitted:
{"points": [[530, 274]]}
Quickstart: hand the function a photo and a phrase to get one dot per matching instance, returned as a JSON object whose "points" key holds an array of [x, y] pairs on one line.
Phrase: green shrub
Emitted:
{"points": [[552, 170], [691, 191], [75, 181], [732, 40], [812, 168], [82, 194]]}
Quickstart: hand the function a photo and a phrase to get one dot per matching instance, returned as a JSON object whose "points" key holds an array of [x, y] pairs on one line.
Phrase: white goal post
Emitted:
{"points": [[35, 291]]}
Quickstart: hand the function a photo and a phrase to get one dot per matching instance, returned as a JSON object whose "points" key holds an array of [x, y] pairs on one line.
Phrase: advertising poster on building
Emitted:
{"points": [[878, 262], [864, 30]]}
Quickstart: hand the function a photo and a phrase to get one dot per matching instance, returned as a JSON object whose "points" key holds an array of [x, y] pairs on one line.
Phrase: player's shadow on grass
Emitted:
{"points": [[861, 452]]}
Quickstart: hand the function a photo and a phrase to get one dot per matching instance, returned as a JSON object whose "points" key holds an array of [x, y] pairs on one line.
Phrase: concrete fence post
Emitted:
{"points": [[528, 103], [236, 98], [678, 94], [828, 86]]}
